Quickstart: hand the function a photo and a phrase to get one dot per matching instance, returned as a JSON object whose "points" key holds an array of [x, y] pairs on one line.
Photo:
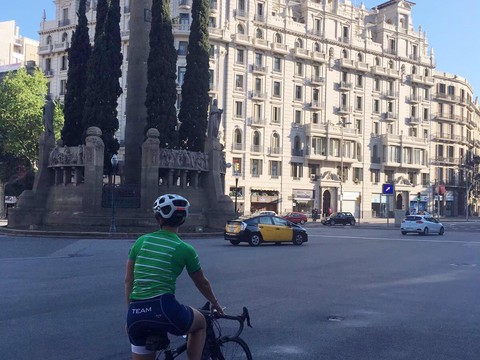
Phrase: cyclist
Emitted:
{"points": [[154, 263]]}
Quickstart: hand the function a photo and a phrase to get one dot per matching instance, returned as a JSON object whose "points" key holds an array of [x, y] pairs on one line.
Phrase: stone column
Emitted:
{"points": [[150, 164], [93, 172], [136, 114]]}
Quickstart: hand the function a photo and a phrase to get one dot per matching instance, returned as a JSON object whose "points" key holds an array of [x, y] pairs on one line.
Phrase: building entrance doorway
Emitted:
{"points": [[326, 203]]}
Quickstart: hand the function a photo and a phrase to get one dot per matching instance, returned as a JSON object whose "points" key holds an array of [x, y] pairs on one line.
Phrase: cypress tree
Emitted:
{"points": [[78, 55], [104, 71], [194, 107], [161, 87]]}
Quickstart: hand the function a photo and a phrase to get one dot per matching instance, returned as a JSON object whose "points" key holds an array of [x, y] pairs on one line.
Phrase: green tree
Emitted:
{"points": [[78, 55], [103, 87], [161, 87], [22, 97], [194, 107]]}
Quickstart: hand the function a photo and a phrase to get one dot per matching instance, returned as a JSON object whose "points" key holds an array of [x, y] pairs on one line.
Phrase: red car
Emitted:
{"points": [[296, 217]]}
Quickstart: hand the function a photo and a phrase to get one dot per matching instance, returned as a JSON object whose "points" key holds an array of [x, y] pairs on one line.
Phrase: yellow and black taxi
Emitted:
{"points": [[264, 229]]}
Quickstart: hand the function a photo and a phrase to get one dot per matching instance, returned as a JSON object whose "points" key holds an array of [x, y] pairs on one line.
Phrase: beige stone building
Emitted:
{"points": [[323, 103], [14, 48]]}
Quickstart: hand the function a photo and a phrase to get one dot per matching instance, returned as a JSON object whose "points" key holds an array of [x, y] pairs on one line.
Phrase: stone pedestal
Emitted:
{"points": [[150, 161]]}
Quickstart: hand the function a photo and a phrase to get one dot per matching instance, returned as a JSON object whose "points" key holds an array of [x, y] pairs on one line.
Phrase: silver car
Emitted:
{"points": [[421, 224]]}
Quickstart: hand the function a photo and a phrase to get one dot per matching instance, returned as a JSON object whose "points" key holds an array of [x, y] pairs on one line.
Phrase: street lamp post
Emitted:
{"points": [[237, 175], [342, 123], [114, 161]]}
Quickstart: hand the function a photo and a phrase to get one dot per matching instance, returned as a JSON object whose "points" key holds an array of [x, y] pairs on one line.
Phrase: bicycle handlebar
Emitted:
{"points": [[240, 318]]}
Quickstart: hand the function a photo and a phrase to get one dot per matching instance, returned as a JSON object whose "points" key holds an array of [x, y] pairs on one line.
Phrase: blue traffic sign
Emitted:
{"points": [[387, 189]]}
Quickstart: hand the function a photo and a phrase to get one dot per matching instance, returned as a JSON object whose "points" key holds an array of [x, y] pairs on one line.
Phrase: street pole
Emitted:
{"points": [[342, 124], [114, 161]]}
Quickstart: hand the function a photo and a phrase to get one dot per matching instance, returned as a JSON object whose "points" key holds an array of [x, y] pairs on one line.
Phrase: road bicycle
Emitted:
{"points": [[217, 346]]}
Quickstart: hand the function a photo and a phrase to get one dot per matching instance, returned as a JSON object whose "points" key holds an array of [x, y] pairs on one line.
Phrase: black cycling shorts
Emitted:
{"points": [[160, 314]]}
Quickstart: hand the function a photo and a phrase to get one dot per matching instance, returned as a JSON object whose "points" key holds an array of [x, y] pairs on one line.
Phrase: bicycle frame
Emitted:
{"points": [[212, 319]]}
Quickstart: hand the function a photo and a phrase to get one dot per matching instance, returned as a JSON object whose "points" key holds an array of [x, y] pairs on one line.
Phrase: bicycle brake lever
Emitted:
{"points": [[247, 316]]}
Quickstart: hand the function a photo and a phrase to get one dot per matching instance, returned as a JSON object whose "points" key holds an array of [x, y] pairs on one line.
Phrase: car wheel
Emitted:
{"points": [[404, 233], [425, 231], [235, 242], [442, 230], [302, 222], [255, 240], [298, 239], [332, 222], [352, 222]]}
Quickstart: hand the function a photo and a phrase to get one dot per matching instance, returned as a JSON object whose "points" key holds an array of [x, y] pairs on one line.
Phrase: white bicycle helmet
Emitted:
{"points": [[172, 208]]}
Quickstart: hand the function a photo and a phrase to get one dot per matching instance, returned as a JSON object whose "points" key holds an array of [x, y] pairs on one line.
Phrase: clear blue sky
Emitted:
{"points": [[452, 29]]}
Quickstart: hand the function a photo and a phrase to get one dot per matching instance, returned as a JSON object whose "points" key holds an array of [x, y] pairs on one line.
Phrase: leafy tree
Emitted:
{"points": [[103, 87], [161, 87], [194, 107], [78, 56], [22, 97]]}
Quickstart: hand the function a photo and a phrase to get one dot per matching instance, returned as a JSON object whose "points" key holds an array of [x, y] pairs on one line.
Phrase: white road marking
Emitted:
{"points": [[406, 239]]}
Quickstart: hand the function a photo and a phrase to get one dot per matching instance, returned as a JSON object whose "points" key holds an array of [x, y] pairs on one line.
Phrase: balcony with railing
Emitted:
{"points": [[448, 117], [48, 73], [185, 4], [317, 80], [45, 49], [414, 120], [297, 152], [390, 94], [344, 110], [240, 13], [256, 121], [64, 22], [422, 79], [241, 39], [445, 160], [259, 69], [319, 56], [61, 46], [181, 29], [315, 105], [447, 97], [390, 116], [301, 53], [238, 147], [275, 151], [384, 71], [256, 148], [259, 95], [345, 86], [279, 48], [261, 43]]}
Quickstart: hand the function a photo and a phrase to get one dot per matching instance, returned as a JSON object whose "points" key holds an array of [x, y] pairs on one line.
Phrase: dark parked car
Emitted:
{"points": [[296, 217], [264, 228], [343, 218]]}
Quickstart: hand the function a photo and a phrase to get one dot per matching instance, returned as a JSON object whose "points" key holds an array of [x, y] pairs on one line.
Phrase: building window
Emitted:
{"points": [[359, 103], [258, 59], [277, 64], [275, 169], [63, 87], [256, 167], [375, 176], [239, 109], [358, 125], [298, 92], [182, 48], [315, 117], [238, 82], [376, 106], [376, 84], [277, 88], [297, 117], [240, 56], [376, 128], [297, 170], [276, 111], [258, 85], [359, 82], [357, 175], [181, 75], [389, 176], [298, 68], [63, 62]]}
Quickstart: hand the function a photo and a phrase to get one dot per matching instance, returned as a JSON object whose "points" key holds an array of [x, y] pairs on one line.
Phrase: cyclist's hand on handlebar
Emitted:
{"points": [[216, 308]]}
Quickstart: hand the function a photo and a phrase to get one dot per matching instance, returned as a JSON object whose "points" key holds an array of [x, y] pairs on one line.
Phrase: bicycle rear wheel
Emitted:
{"points": [[232, 349]]}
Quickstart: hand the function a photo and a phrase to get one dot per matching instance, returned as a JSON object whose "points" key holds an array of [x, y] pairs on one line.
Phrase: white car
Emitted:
{"points": [[421, 224]]}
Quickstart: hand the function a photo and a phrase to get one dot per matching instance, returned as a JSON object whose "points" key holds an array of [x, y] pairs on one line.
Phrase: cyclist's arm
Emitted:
{"points": [[129, 279], [203, 285]]}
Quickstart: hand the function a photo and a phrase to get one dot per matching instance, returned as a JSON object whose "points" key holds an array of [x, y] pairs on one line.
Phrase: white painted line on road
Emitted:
{"points": [[398, 239]]}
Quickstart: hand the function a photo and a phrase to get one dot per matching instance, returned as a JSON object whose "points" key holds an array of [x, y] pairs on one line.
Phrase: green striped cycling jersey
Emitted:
{"points": [[159, 259]]}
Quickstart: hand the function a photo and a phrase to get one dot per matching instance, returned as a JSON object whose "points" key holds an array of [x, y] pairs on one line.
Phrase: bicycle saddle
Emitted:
{"points": [[157, 342]]}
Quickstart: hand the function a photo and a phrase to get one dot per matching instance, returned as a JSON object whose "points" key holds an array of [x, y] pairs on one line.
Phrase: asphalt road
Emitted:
{"points": [[349, 293]]}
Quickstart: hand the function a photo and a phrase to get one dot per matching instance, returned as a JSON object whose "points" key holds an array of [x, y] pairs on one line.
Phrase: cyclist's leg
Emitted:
{"points": [[196, 336]]}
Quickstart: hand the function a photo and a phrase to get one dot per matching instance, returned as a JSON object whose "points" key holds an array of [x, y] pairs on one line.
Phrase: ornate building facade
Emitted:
{"points": [[323, 103]]}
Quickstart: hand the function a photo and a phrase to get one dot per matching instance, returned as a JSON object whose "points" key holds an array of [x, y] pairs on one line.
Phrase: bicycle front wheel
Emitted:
{"points": [[232, 349]]}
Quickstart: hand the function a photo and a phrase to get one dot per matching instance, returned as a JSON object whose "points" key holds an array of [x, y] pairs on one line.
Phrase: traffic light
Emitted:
{"points": [[419, 196]]}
